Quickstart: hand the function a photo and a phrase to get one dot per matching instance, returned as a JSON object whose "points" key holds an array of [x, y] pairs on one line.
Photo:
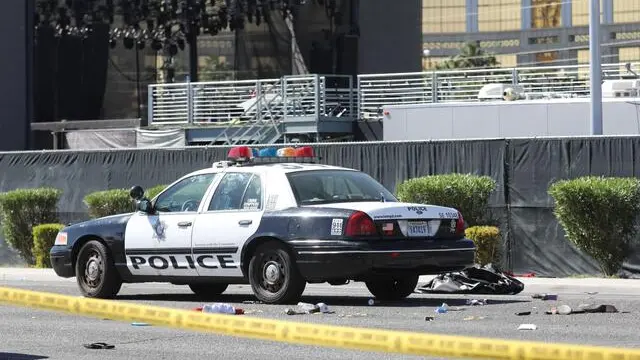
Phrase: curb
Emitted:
{"points": [[31, 274]]}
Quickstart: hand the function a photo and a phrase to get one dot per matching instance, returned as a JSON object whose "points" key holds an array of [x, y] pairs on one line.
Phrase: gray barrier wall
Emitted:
{"points": [[522, 168]]}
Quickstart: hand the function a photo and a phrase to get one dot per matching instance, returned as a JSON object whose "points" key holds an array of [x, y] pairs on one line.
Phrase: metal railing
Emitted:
{"points": [[378, 90], [252, 110], [217, 102]]}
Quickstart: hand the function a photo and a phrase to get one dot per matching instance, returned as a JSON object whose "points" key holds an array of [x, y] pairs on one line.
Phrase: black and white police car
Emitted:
{"points": [[276, 223]]}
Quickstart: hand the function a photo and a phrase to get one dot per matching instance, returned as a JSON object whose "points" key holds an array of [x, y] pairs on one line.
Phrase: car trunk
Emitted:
{"points": [[407, 220]]}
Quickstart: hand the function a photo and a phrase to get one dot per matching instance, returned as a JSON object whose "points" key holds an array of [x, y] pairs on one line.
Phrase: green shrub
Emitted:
{"points": [[109, 202], [487, 240], [467, 193], [598, 215], [116, 201], [44, 236], [21, 210], [154, 191]]}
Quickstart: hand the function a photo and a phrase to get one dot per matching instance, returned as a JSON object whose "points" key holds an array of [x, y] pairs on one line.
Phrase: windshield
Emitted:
{"points": [[334, 186]]}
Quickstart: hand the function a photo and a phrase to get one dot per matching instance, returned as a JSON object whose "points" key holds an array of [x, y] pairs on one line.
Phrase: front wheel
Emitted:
{"points": [[208, 290], [393, 288], [274, 276], [96, 273]]}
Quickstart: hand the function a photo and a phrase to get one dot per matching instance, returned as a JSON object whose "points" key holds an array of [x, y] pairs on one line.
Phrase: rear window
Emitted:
{"points": [[335, 186]]}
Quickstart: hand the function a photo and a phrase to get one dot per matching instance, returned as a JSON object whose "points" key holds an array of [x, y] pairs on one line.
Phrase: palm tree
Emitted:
{"points": [[470, 56]]}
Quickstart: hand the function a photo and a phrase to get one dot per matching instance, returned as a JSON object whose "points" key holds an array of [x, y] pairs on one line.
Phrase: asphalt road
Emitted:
{"points": [[27, 333]]}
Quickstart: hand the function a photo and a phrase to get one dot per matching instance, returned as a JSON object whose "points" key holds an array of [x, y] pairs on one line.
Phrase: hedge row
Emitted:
{"points": [[30, 219], [598, 214]]}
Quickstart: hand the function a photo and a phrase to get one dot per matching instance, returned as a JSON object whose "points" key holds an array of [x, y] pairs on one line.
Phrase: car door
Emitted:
{"points": [[159, 244], [231, 217]]}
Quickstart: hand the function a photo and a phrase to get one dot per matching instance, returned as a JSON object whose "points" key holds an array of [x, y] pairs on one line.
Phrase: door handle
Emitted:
{"points": [[245, 222], [184, 224]]}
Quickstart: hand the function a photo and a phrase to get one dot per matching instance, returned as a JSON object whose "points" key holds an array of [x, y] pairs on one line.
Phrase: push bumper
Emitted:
{"points": [[61, 263], [332, 260]]}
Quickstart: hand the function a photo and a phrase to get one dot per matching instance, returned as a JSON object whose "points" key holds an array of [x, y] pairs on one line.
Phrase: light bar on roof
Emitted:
{"points": [[246, 154]]}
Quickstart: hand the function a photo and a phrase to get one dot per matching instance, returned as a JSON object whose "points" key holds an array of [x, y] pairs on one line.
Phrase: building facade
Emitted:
{"points": [[530, 32]]}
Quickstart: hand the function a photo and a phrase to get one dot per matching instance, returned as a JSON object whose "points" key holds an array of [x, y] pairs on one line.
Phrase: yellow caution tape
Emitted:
{"points": [[315, 334]]}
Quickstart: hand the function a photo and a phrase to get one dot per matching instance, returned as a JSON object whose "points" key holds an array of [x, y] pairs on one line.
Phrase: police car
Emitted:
{"points": [[275, 219]]}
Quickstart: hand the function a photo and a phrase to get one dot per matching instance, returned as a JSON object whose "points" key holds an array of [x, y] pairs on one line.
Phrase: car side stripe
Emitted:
{"points": [[181, 251], [218, 250], [382, 251]]}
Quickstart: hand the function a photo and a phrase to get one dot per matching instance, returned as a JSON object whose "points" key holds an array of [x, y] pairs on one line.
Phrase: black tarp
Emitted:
{"points": [[523, 170], [538, 243]]}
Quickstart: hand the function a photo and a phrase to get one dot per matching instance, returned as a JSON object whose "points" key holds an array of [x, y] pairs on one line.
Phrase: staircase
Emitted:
{"points": [[253, 111]]}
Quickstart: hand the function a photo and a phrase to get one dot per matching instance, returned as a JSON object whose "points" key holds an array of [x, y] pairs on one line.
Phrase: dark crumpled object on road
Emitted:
{"points": [[485, 280]]}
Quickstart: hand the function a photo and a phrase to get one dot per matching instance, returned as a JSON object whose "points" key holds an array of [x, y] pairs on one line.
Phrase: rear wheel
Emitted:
{"points": [[393, 288], [274, 276], [208, 290], [96, 273]]}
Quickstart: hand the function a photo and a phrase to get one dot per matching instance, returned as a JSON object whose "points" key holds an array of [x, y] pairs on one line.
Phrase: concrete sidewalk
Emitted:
{"points": [[30, 274]]}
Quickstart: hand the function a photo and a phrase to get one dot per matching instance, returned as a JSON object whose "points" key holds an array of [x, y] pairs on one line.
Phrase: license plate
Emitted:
{"points": [[418, 228]]}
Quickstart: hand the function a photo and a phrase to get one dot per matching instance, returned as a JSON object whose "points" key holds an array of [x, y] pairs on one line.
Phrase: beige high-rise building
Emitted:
{"points": [[530, 32]]}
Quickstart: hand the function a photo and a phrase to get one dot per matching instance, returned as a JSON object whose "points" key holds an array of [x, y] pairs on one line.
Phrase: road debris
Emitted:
{"points": [[99, 345], [527, 327], [140, 324], [598, 308], [221, 308], [429, 318], [469, 318], [306, 308], [474, 280], [523, 313], [255, 302], [563, 310], [545, 296], [442, 309], [477, 302], [354, 315]]}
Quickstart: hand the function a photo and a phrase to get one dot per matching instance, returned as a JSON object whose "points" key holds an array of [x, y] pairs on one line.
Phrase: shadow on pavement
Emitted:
{"points": [[14, 356], [330, 300]]}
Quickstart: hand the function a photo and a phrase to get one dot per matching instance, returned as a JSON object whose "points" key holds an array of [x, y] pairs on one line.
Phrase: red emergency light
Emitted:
{"points": [[240, 154], [304, 151]]}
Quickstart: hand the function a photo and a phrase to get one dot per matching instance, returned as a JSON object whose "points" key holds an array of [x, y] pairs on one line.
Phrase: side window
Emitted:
{"points": [[186, 195], [230, 193], [252, 199]]}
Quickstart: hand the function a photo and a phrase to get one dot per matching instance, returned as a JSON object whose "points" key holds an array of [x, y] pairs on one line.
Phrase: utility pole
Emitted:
{"points": [[192, 40], [595, 67]]}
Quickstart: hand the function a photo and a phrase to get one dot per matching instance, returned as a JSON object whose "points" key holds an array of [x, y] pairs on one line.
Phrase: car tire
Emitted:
{"points": [[390, 289], [274, 275], [96, 273], [208, 290]]}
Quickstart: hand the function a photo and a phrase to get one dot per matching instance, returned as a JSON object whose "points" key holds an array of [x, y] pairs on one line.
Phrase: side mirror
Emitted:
{"points": [[136, 192], [145, 206]]}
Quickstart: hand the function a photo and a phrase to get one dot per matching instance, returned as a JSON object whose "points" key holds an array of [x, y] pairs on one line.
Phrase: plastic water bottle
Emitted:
{"points": [[220, 308], [442, 309]]}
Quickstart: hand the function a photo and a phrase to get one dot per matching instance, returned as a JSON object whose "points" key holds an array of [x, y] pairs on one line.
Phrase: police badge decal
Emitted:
{"points": [[159, 227]]}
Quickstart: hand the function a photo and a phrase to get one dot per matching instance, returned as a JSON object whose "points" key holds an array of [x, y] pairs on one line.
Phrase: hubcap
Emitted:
{"points": [[272, 273], [93, 270]]}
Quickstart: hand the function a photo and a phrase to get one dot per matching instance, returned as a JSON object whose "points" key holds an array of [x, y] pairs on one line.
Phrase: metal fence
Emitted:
{"points": [[377, 90], [226, 102], [234, 102]]}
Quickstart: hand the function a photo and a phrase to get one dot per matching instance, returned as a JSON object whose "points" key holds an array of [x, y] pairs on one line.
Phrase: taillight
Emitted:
{"points": [[360, 224], [460, 224]]}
